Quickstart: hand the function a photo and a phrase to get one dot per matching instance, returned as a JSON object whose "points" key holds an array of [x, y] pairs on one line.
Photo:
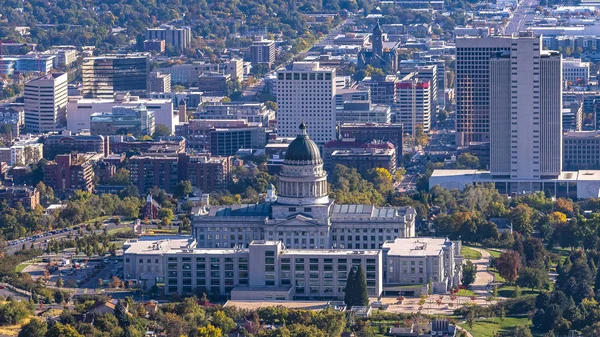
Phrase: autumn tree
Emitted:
{"points": [[508, 265], [209, 331]]}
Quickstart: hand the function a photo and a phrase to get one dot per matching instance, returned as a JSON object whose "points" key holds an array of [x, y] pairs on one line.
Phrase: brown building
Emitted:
{"points": [[28, 197], [166, 170], [66, 144], [348, 151], [367, 132], [119, 144], [68, 173], [155, 45]]}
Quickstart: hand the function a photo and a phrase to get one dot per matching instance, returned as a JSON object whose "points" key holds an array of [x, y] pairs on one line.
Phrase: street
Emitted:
{"points": [[525, 12]]}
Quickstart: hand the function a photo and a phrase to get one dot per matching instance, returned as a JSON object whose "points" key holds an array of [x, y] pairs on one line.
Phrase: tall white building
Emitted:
{"points": [[306, 93], [526, 110], [46, 103], [413, 105]]}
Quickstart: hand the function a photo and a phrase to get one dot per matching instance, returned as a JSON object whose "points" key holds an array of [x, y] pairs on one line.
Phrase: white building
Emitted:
{"points": [[413, 104], [302, 215], [46, 102], [80, 109], [420, 260], [306, 93], [178, 37], [266, 270], [526, 111], [575, 71]]}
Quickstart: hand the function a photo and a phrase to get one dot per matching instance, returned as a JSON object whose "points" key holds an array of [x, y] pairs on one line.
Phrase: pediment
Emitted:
{"points": [[296, 220]]}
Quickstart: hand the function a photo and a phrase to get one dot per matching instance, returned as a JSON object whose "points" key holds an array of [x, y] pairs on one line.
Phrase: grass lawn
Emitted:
{"points": [[465, 292], [508, 291], [494, 253], [487, 327], [164, 231], [497, 276], [26, 264], [470, 254], [118, 230]]}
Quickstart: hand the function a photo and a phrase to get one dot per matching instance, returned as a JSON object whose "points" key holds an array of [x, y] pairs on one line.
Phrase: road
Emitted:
{"points": [[524, 12]]}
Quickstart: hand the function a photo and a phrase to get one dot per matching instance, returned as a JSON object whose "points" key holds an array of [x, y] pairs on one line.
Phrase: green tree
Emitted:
{"points": [[469, 271], [381, 179], [35, 328], [183, 189], [534, 278], [121, 177], [360, 283], [350, 291], [521, 331], [222, 321], [522, 218], [467, 160], [62, 330], [161, 130]]}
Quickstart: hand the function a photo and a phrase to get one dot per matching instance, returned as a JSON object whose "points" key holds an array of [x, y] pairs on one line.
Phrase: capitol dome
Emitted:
{"points": [[302, 150]]}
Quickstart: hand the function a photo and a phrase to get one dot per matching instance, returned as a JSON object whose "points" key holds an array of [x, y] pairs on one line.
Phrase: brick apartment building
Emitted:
{"points": [[68, 173]]}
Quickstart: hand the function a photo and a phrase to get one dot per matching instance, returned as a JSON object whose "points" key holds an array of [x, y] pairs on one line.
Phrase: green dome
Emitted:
{"points": [[302, 150]]}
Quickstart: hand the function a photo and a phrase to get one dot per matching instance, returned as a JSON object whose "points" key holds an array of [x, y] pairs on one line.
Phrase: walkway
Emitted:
{"points": [[484, 278]]}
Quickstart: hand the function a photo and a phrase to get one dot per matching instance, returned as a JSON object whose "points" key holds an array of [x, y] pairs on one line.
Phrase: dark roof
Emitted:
{"points": [[242, 210], [302, 150]]}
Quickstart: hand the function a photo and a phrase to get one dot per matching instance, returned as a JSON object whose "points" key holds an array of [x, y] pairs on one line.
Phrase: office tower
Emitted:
{"points": [[105, 75], [473, 86], [159, 82], [525, 110], [46, 103], [413, 106], [262, 51], [178, 37], [306, 93]]}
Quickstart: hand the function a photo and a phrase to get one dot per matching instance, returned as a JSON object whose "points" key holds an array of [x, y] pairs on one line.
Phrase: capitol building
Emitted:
{"points": [[300, 214]]}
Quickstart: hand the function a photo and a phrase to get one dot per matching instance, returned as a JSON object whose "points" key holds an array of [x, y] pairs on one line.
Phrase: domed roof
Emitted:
{"points": [[302, 150]]}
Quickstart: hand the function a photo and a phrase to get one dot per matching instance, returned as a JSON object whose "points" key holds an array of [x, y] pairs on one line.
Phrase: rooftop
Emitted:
{"points": [[157, 244], [416, 247]]}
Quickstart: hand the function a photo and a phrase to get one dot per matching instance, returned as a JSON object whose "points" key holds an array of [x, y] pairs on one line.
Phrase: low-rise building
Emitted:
{"points": [[410, 261], [581, 150], [222, 137], [249, 111], [362, 112], [368, 132], [277, 273], [65, 143], [123, 120], [28, 197], [364, 159]]}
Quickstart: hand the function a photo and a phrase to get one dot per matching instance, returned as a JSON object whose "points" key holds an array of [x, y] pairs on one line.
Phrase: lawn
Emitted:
{"points": [[487, 327], [508, 291], [465, 292], [118, 230], [23, 265], [497, 276], [470, 254], [494, 253]]}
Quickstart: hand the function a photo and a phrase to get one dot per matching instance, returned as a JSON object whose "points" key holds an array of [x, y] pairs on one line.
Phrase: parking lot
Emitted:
{"points": [[79, 274]]}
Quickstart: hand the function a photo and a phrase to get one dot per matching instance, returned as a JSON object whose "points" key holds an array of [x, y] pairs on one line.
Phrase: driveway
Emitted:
{"points": [[483, 278]]}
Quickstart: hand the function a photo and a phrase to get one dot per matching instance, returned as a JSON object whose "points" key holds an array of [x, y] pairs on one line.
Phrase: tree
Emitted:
{"points": [[161, 130], [533, 278], [121, 177], [222, 321], [35, 328], [467, 160], [508, 265], [362, 295], [381, 179], [349, 291], [421, 137], [209, 331], [60, 283], [522, 219], [62, 330], [469, 271], [183, 189], [521, 331]]}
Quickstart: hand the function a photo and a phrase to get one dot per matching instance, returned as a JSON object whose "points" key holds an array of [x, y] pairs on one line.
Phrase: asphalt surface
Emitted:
{"points": [[525, 12]]}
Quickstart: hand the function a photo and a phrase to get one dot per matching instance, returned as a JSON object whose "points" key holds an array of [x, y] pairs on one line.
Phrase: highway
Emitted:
{"points": [[525, 12]]}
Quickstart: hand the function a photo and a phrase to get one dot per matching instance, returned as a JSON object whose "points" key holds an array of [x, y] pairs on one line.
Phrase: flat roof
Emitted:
{"points": [[156, 244], [416, 247], [330, 252]]}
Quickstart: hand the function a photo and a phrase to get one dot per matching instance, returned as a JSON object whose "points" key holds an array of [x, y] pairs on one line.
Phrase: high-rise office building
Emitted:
{"points": [[46, 103], [525, 110], [263, 51], [473, 86], [105, 75], [306, 93], [413, 107], [178, 37]]}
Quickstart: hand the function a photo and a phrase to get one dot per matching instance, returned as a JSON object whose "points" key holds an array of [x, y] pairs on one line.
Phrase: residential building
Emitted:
{"points": [[80, 109], [103, 76], [363, 111], [250, 111], [154, 45], [123, 120], [66, 143], [409, 261], [277, 273], [528, 131], [368, 132], [472, 84], [306, 93], [424, 73], [68, 173], [147, 172], [65, 56], [13, 117], [178, 37], [159, 82], [413, 106], [188, 74], [46, 103], [301, 214], [262, 51], [125, 144], [213, 84], [29, 197], [575, 71], [209, 174]]}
